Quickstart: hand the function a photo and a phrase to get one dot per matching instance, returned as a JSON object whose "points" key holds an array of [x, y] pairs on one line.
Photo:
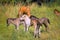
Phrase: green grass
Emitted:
{"points": [[9, 33]]}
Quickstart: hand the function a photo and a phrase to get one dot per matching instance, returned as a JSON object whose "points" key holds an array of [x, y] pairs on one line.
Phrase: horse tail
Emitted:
{"points": [[7, 22], [48, 21]]}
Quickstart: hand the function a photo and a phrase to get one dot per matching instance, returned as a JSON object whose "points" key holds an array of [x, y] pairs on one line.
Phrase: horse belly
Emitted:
{"points": [[28, 22]]}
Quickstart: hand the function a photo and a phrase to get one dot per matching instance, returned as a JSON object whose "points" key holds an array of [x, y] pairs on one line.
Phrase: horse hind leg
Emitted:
{"points": [[37, 31], [25, 27], [46, 26], [17, 27], [28, 27]]}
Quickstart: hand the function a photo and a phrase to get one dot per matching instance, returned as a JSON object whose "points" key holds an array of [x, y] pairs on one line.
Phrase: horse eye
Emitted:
{"points": [[24, 16]]}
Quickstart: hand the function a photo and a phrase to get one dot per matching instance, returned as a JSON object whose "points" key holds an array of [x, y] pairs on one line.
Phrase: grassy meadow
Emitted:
{"points": [[10, 11]]}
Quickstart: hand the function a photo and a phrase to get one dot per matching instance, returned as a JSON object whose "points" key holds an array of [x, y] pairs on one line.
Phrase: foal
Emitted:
{"points": [[28, 23], [15, 21], [44, 21]]}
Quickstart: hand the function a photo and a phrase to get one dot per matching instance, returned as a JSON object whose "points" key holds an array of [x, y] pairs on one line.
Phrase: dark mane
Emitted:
{"points": [[33, 17], [12, 18], [24, 13]]}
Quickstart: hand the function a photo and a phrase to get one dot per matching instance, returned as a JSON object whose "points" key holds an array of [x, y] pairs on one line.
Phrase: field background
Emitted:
{"points": [[10, 11]]}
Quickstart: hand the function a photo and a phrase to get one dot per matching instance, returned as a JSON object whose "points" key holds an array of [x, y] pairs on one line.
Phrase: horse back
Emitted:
{"points": [[44, 20], [11, 18], [33, 17]]}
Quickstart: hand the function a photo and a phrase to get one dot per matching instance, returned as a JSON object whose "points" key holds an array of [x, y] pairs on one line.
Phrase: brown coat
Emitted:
{"points": [[24, 9]]}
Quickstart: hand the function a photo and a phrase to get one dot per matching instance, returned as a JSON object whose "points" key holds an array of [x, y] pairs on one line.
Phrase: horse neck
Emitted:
{"points": [[27, 19]]}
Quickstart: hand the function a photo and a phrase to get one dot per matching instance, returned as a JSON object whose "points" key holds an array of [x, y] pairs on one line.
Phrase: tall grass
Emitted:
{"points": [[8, 33]]}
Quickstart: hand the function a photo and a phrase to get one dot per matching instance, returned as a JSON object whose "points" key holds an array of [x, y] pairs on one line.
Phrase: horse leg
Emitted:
{"points": [[38, 30], [46, 26], [35, 30], [39, 33], [17, 27], [7, 24], [35, 27], [28, 27], [25, 27]]}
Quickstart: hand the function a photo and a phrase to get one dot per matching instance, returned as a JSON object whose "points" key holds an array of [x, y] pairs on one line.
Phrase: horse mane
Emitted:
{"points": [[33, 17], [12, 18]]}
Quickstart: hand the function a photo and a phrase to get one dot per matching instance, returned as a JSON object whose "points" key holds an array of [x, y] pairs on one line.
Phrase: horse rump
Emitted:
{"points": [[48, 21]]}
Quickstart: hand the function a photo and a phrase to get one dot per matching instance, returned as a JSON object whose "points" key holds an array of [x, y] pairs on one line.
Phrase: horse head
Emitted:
{"points": [[24, 17]]}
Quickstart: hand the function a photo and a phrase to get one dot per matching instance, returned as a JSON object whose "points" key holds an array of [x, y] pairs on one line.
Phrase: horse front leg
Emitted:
{"points": [[8, 23], [35, 27], [17, 27], [28, 27], [25, 26]]}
